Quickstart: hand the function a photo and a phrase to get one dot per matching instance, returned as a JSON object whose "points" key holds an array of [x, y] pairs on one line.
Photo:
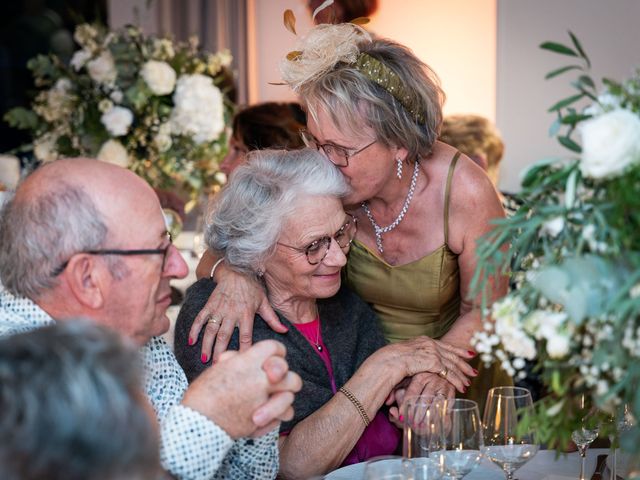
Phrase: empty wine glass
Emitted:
{"points": [[423, 439], [507, 444], [623, 422], [387, 467], [463, 437], [588, 431]]}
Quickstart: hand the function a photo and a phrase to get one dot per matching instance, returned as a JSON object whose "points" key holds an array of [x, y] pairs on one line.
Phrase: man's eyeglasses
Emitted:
{"points": [[144, 251], [317, 250], [336, 154]]}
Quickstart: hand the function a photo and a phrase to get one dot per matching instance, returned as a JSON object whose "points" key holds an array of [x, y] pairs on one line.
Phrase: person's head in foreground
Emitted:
{"points": [[280, 218], [73, 407], [265, 125], [84, 238], [476, 137]]}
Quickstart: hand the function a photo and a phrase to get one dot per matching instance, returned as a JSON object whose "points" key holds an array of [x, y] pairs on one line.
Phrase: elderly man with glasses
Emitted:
{"points": [[83, 238]]}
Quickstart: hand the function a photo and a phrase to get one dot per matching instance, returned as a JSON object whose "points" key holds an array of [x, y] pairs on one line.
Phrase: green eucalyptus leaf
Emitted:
{"points": [[565, 102], [558, 48], [555, 127], [576, 43], [21, 118], [570, 144], [570, 191], [561, 70]]}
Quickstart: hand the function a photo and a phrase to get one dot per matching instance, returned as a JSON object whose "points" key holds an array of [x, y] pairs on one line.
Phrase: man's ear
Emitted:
{"points": [[86, 279]]}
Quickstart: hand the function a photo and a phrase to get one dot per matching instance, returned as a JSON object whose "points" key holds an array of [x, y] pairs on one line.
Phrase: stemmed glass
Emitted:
{"points": [[387, 467], [623, 422], [423, 440], [463, 437], [506, 443], [587, 433]]}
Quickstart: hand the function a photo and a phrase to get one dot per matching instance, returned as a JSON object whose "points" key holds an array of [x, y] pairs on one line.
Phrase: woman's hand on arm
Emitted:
{"points": [[234, 301]]}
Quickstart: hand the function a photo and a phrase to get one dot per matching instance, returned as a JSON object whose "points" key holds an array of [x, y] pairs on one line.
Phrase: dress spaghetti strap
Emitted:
{"points": [[452, 167]]}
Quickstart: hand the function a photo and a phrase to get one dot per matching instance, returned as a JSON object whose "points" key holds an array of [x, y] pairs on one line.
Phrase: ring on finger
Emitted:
{"points": [[443, 373], [212, 319]]}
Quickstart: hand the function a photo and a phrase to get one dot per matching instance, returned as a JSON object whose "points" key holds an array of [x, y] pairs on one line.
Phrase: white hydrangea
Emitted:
{"points": [[610, 143], [116, 96], [112, 151], [44, 147], [159, 76], [552, 227], [102, 69], [79, 59], [198, 110], [117, 120], [162, 139]]}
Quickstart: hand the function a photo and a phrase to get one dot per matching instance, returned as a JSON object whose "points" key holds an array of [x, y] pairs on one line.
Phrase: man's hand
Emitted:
{"points": [[246, 393]]}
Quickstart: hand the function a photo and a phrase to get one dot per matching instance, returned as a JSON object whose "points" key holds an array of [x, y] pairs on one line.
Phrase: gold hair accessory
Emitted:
{"points": [[386, 78]]}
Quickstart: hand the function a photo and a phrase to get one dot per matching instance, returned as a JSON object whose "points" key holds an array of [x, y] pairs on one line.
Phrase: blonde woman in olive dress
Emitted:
{"points": [[375, 110]]}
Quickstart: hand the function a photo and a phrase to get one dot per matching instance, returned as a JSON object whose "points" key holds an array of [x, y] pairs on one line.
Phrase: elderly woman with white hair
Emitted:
{"points": [[281, 219]]}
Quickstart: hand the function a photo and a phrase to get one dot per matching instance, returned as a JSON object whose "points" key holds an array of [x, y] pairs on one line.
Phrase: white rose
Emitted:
{"points": [[112, 151], [116, 96], [44, 147], [198, 111], [103, 69], [558, 346], [117, 120], [79, 59], [159, 76], [552, 227], [610, 143]]}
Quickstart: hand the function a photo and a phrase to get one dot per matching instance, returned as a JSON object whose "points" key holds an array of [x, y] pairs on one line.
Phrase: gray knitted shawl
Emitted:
{"points": [[350, 331]]}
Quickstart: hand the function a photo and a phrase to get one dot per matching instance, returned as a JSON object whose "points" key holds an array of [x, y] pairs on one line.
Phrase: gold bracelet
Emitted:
{"points": [[356, 402]]}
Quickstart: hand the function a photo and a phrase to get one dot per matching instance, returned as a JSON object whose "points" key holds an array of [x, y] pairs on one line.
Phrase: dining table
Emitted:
{"points": [[546, 465]]}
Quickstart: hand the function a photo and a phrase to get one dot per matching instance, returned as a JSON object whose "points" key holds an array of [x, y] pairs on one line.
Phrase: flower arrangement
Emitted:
{"points": [[157, 107], [574, 252]]}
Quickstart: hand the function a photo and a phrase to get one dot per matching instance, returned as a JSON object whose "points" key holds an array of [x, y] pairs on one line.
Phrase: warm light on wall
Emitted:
{"points": [[456, 38]]}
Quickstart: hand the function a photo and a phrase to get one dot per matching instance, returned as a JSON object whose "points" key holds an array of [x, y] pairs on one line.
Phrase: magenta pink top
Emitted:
{"points": [[381, 437]]}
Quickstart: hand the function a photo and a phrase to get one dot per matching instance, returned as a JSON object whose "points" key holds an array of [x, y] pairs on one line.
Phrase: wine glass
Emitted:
{"points": [[588, 431], [462, 436], [387, 467], [623, 422], [423, 439], [505, 443]]}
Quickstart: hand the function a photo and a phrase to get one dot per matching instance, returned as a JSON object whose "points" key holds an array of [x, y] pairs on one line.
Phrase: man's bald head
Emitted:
{"points": [[62, 208]]}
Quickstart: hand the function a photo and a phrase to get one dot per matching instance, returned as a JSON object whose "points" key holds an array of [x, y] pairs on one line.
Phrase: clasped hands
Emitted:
{"points": [[246, 393]]}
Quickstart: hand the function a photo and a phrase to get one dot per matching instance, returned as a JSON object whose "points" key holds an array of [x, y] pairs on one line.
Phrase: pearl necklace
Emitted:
{"points": [[380, 230], [317, 342]]}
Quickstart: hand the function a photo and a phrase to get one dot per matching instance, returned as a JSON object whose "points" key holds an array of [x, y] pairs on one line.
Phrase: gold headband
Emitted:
{"points": [[386, 78]]}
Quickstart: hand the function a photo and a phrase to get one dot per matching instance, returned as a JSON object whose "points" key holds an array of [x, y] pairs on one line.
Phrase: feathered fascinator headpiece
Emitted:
{"points": [[328, 45]]}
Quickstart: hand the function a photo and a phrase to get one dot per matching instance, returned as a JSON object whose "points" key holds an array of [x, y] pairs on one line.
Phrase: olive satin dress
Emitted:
{"points": [[418, 298]]}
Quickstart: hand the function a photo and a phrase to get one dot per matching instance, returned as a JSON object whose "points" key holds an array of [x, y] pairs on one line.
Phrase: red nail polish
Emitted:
{"points": [[204, 358], [190, 342], [401, 418], [475, 371], [471, 353]]}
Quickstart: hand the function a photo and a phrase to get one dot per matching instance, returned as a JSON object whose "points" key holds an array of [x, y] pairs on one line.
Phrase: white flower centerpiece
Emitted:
{"points": [[157, 107], [574, 252]]}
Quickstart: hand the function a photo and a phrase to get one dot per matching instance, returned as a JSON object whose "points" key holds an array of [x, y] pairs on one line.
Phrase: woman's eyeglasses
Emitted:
{"points": [[317, 250], [336, 154]]}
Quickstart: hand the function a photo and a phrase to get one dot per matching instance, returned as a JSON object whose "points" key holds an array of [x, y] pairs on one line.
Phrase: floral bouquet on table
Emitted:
{"points": [[574, 251], [157, 107]]}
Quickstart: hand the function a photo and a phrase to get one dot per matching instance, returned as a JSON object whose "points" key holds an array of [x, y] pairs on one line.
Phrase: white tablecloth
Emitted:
{"points": [[543, 466]]}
